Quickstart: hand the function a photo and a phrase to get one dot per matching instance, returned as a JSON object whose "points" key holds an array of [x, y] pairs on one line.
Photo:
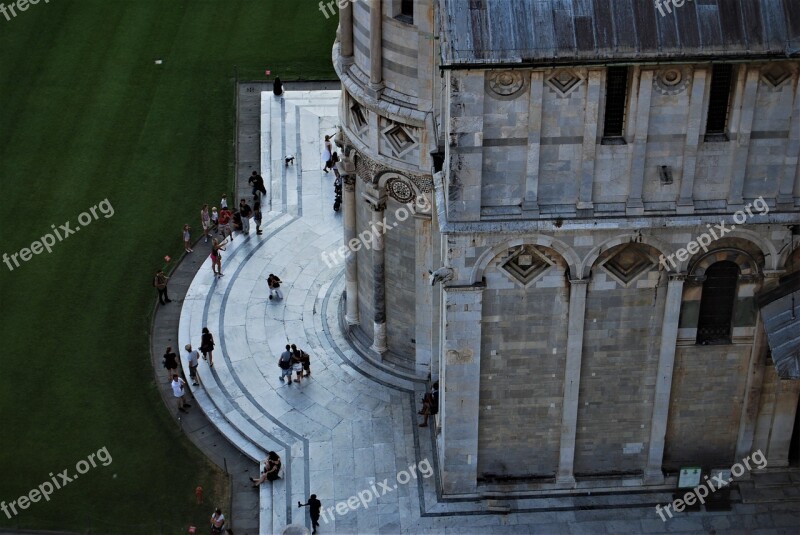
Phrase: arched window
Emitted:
{"points": [[716, 303]]}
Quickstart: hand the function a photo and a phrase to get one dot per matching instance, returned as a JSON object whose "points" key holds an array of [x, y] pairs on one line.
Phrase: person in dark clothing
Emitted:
{"points": [[277, 87], [314, 507], [272, 466], [170, 363], [430, 404], [160, 283], [257, 181], [207, 346]]}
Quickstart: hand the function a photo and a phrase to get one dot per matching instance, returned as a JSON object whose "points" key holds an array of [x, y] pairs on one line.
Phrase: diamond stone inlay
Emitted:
{"points": [[526, 264], [628, 264], [776, 75], [399, 138], [564, 81]]}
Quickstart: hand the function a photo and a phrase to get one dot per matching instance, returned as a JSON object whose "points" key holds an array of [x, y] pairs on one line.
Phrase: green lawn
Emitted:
{"points": [[86, 115]]}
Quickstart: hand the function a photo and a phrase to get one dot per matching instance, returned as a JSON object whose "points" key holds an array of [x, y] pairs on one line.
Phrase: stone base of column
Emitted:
{"points": [[375, 90], [684, 206], [784, 202], [531, 207], [653, 477], [634, 207], [379, 339], [568, 480]]}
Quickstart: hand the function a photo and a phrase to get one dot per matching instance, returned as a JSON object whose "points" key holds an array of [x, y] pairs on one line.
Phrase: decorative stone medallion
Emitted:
{"points": [[505, 83], [628, 264], [526, 265], [399, 190], [564, 82], [671, 80], [775, 74]]}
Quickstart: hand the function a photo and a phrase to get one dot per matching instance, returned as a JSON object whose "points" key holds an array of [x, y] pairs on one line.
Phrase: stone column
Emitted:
{"points": [[378, 279], [590, 134], [531, 202], [346, 32], [424, 295], [460, 388], [791, 167], [351, 265], [635, 205], [376, 45], [746, 89], [572, 380], [783, 420], [685, 203], [752, 391], [666, 361]]}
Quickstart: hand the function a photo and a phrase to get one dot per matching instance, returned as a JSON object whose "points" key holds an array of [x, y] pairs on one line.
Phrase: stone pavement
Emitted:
{"points": [[349, 432]]}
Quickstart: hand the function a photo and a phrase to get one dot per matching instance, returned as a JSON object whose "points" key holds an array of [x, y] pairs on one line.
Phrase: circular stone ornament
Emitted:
{"points": [[399, 190], [671, 80], [505, 83]]}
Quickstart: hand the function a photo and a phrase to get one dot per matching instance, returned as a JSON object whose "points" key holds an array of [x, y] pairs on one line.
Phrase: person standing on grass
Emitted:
{"points": [[178, 390], [194, 362], [205, 220], [160, 283], [217, 521], [216, 257], [314, 507], [187, 237], [207, 347], [245, 212], [257, 216], [170, 362]]}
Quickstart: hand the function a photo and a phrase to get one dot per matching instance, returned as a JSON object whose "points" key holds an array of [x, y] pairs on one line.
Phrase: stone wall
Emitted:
{"points": [[401, 272], [523, 351]]}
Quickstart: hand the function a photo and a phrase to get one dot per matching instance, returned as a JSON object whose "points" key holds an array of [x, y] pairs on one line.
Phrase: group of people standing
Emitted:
{"points": [[294, 360]]}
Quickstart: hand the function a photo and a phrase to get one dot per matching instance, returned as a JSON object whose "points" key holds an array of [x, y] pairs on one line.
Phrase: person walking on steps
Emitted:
{"points": [[257, 182], [207, 347], [257, 216], [216, 257], [194, 362], [245, 212]]}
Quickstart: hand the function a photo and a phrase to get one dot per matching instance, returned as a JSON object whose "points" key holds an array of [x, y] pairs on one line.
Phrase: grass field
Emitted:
{"points": [[86, 115]]}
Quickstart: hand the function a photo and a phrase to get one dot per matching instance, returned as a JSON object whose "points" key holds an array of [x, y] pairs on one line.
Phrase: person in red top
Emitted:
{"points": [[225, 220]]}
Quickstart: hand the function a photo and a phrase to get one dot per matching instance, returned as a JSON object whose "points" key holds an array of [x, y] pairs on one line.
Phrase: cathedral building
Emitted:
{"points": [[590, 230]]}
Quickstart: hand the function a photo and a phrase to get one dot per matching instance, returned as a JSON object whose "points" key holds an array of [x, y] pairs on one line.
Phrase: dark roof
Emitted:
{"points": [[602, 31]]}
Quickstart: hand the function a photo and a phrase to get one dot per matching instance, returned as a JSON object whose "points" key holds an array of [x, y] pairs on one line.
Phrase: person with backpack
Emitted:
{"points": [[285, 364]]}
